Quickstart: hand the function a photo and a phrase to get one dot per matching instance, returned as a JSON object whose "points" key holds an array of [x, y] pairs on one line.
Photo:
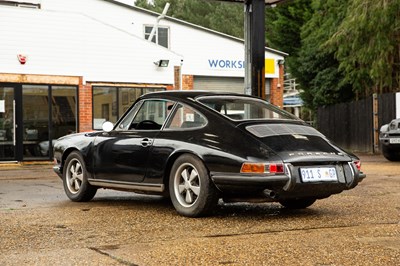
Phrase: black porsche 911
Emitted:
{"points": [[198, 147]]}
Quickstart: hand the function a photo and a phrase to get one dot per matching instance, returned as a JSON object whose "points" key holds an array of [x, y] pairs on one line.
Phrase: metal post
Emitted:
{"points": [[255, 47], [247, 47], [258, 48], [375, 119]]}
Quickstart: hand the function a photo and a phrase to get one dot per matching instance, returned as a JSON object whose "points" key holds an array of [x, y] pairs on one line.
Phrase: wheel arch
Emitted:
{"points": [[171, 160], [65, 155]]}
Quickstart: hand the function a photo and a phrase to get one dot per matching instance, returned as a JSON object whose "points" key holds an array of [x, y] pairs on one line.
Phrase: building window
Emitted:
{"points": [[48, 112], [110, 103], [161, 37], [64, 110]]}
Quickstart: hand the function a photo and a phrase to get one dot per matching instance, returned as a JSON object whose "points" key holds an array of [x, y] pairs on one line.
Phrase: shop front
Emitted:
{"points": [[32, 117]]}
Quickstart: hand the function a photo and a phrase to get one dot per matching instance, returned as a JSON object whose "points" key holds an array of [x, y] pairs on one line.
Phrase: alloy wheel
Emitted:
{"points": [[187, 185], [74, 177]]}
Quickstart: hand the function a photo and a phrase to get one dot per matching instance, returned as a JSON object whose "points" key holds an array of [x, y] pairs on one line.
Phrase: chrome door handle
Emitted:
{"points": [[146, 142]]}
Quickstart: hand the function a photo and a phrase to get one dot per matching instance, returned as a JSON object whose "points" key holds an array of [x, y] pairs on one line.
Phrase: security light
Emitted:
{"points": [[162, 63]]}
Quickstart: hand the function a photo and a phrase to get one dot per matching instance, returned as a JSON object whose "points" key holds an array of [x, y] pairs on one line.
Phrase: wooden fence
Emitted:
{"points": [[355, 126]]}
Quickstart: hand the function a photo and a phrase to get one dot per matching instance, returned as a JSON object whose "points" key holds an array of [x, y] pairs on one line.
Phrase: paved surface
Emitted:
{"points": [[40, 226]]}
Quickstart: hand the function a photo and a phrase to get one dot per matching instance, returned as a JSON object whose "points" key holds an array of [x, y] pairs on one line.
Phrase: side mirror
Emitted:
{"points": [[107, 126]]}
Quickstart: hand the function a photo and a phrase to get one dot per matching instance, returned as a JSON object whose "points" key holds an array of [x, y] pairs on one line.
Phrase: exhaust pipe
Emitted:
{"points": [[270, 194]]}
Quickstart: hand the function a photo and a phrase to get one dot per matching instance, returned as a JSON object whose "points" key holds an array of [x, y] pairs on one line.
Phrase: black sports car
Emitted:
{"points": [[197, 147], [389, 136]]}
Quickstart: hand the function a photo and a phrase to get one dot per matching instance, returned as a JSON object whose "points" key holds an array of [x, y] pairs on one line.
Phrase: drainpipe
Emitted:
{"points": [[160, 17]]}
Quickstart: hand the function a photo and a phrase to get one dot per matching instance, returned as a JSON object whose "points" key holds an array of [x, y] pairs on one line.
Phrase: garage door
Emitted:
{"points": [[223, 84]]}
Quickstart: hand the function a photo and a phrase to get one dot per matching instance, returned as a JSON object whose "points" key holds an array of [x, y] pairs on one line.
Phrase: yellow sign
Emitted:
{"points": [[269, 66]]}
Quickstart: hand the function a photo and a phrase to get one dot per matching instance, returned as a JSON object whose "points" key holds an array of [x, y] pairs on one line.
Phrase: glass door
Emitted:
{"points": [[48, 112], [7, 124], [32, 117], [35, 120]]}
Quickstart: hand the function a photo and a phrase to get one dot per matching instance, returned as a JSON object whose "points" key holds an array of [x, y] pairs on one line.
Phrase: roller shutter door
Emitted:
{"points": [[223, 84]]}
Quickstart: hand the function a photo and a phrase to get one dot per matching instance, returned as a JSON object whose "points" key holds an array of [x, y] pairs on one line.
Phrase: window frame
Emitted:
{"points": [[175, 110], [156, 36], [145, 103]]}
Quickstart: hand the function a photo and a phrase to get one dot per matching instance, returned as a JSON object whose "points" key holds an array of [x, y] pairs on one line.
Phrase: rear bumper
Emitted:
{"points": [[289, 184], [251, 180]]}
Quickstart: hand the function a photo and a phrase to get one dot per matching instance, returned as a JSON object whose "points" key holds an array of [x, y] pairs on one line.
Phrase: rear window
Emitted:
{"points": [[244, 108]]}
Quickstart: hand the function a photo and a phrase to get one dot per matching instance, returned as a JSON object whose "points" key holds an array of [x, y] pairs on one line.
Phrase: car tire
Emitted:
{"points": [[192, 192], [390, 154], [75, 181], [297, 203]]}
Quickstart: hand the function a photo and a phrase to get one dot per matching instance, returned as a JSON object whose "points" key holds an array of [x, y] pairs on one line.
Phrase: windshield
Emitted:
{"points": [[244, 108]]}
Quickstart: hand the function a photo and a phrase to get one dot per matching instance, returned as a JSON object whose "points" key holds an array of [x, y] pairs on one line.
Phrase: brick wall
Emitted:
{"points": [[177, 78], [85, 108], [277, 88], [187, 82]]}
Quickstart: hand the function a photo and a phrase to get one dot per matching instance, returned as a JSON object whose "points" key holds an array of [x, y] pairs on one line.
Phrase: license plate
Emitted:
{"points": [[394, 141], [317, 174]]}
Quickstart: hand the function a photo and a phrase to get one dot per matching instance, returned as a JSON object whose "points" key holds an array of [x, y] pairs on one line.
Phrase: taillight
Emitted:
{"points": [[253, 168], [262, 168], [276, 168], [358, 165]]}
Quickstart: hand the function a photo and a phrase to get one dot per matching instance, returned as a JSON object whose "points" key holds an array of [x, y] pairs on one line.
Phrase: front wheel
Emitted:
{"points": [[75, 181], [297, 203], [192, 192]]}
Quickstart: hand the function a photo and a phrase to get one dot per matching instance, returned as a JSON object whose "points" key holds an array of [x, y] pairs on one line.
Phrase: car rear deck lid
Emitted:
{"points": [[269, 130]]}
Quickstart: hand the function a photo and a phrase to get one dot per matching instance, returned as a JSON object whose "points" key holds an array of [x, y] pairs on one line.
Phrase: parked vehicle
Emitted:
{"points": [[197, 147], [389, 137]]}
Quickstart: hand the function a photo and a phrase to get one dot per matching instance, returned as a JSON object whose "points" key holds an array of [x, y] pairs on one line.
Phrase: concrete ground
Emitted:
{"points": [[40, 226]]}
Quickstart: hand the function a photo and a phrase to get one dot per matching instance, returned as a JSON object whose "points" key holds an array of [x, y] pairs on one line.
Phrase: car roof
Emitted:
{"points": [[189, 94]]}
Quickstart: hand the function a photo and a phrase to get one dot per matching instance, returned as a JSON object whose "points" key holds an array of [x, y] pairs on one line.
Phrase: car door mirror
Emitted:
{"points": [[107, 126]]}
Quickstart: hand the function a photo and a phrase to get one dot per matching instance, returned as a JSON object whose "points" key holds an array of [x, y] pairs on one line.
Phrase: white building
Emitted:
{"points": [[68, 65]]}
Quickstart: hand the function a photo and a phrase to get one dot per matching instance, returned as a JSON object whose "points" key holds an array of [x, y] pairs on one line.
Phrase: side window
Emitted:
{"points": [[151, 115], [185, 117]]}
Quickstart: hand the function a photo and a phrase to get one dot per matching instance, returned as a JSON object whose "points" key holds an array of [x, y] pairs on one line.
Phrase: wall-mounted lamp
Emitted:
{"points": [[162, 63], [281, 62]]}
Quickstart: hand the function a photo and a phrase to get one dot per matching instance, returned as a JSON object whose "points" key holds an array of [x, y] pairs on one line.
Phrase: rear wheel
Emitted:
{"points": [[297, 203], [192, 192], [75, 181]]}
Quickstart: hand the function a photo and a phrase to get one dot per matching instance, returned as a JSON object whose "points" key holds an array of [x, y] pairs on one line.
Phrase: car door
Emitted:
{"points": [[122, 155]]}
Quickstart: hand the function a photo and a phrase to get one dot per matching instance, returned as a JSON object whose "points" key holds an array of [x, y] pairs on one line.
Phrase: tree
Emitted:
{"points": [[316, 69], [283, 25], [219, 16], [367, 45]]}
